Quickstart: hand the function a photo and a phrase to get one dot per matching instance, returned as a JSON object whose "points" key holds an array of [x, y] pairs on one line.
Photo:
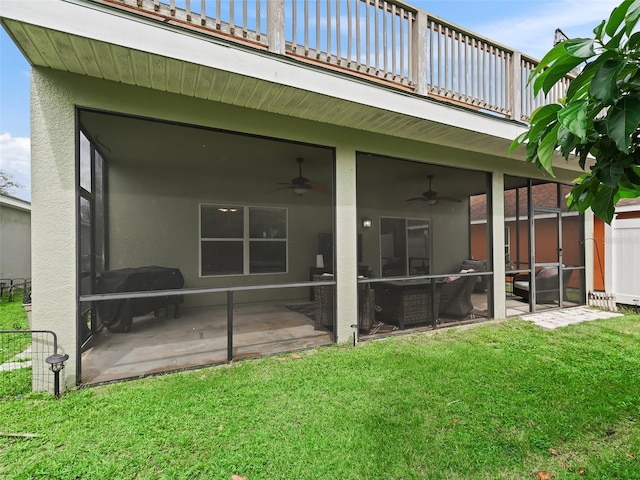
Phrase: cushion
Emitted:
{"points": [[547, 273], [453, 278], [477, 265], [521, 285]]}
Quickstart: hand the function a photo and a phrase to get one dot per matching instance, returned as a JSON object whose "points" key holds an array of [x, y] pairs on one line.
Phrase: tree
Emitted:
{"points": [[598, 119], [6, 183]]}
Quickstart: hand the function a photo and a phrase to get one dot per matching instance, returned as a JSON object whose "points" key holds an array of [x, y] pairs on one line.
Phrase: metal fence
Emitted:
{"points": [[25, 361], [15, 289]]}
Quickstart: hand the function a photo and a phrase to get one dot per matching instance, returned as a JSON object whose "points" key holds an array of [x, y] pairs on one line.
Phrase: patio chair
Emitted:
{"points": [[546, 285], [455, 297], [325, 304]]}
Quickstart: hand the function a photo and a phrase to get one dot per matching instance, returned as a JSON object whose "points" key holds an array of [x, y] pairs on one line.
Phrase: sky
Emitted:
{"points": [[525, 25]]}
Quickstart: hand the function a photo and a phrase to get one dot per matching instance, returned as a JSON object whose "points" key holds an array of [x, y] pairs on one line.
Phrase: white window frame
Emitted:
{"points": [[507, 241], [245, 239]]}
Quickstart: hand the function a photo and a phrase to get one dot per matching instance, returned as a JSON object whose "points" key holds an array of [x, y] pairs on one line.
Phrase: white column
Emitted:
{"points": [[346, 245], [53, 217], [497, 213]]}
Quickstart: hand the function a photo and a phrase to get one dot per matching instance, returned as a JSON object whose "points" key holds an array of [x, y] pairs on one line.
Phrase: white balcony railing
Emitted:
{"points": [[383, 40]]}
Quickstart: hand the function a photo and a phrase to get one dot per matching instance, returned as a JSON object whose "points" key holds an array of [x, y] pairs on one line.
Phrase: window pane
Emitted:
{"points": [[221, 258], [267, 222], [85, 235], [418, 243], [268, 257], [99, 220], [221, 221], [85, 163], [393, 246]]}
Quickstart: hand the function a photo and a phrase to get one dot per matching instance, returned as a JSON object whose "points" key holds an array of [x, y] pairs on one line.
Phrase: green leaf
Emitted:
{"points": [[603, 203], [609, 173], [622, 121], [546, 148], [518, 141], [561, 67], [604, 84], [531, 150], [634, 41], [598, 30], [584, 77], [616, 17], [614, 43], [552, 55], [580, 47], [566, 141], [541, 118], [582, 192], [633, 15], [573, 117]]}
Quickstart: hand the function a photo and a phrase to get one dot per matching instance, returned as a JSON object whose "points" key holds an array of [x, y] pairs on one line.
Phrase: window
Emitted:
{"points": [[238, 240]]}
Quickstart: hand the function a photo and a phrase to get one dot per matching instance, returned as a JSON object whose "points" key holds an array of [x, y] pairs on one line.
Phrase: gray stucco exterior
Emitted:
{"points": [[15, 238]]}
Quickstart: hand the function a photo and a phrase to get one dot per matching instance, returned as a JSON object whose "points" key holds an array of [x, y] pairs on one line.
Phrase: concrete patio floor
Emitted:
{"points": [[199, 337]]}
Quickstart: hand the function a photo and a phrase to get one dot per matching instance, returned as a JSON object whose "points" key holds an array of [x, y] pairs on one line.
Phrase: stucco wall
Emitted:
{"points": [[15, 242], [154, 220]]}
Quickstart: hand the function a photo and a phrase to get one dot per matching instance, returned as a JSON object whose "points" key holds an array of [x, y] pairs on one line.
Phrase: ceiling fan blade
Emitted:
{"points": [[423, 199]]}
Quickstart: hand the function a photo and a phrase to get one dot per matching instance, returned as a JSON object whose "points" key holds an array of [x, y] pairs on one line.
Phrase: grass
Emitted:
{"points": [[500, 400], [13, 317]]}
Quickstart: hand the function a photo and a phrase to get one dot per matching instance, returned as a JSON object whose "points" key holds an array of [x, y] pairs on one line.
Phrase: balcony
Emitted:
{"points": [[389, 43]]}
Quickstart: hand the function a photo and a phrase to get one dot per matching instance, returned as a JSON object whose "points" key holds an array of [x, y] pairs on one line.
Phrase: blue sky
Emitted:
{"points": [[526, 25]]}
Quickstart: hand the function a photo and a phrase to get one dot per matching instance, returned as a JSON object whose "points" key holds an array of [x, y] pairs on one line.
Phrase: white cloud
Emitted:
{"points": [[532, 32], [15, 159]]}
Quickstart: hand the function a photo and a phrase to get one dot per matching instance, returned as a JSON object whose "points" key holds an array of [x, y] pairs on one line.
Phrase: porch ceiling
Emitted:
{"points": [[266, 82]]}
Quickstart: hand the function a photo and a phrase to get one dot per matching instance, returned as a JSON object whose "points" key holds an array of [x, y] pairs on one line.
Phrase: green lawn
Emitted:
{"points": [[13, 317], [500, 400]]}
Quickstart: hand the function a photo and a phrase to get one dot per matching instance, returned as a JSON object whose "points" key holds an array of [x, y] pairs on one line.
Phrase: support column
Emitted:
{"points": [[497, 233], [53, 217], [346, 245]]}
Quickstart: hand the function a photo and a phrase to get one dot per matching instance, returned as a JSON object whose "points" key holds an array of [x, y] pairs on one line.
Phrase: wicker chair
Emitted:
{"points": [[455, 297], [323, 295], [325, 304], [546, 287]]}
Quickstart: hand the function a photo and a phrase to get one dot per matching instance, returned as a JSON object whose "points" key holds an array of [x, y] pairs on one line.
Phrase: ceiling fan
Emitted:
{"points": [[432, 197], [301, 185]]}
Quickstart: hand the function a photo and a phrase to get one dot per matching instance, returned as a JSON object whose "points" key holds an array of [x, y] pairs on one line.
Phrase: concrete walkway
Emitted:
{"points": [[22, 360], [568, 316]]}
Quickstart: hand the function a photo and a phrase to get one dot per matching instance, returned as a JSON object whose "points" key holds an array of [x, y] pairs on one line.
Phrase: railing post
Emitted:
{"points": [[516, 87], [229, 325], [275, 26], [418, 54]]}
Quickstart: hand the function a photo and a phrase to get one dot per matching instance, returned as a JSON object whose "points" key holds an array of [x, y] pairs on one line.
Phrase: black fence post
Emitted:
{"points": [[230, 325]]}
